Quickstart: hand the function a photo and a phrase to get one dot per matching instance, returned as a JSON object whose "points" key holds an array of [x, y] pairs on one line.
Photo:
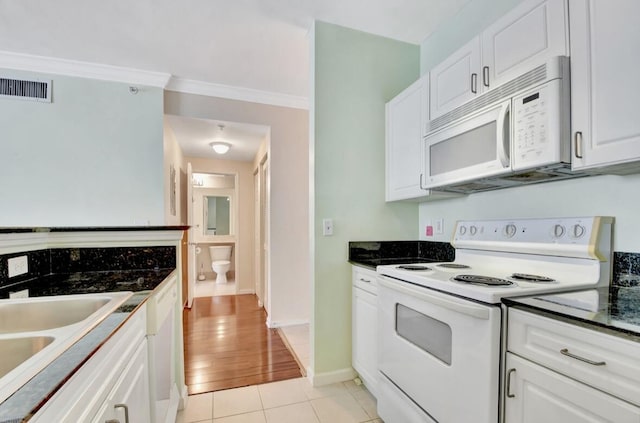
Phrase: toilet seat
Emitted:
{"points": [[220, 262]]}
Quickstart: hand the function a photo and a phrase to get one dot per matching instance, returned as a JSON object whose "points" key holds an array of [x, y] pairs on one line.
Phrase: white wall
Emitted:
{"points": [[173, 157], [92, 157]]}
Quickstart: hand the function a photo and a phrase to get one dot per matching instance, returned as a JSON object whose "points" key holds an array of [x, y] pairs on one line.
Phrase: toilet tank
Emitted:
{"points": [[220, 252]]}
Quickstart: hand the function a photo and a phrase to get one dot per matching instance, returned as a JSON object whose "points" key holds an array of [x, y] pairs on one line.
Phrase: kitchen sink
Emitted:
{"points": [[43, 314], [15, 351], [35, 331]]}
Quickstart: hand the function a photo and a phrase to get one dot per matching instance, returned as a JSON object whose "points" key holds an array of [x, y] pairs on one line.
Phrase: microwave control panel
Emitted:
{"points": [[537, 130]]}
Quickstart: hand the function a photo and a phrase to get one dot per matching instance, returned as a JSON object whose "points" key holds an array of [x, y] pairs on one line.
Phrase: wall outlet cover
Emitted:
{"points": [[18, 266], [429, 231]]}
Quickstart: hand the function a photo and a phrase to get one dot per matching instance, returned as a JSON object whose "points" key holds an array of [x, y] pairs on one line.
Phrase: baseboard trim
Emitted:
{"points": [[286, 323], [327, 378], [245, 291]]}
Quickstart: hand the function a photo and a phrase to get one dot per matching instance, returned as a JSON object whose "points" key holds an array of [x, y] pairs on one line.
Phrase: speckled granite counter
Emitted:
{"points": [[615, 310], [370, 254], [31, 396]]}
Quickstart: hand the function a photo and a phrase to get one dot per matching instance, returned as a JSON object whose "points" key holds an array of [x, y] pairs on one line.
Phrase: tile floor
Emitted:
{"points": [[298, 339], [209, 288], [288, 401]]}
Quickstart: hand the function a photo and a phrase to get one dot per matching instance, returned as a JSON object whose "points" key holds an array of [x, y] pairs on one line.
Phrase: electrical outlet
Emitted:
{"points": [[18, 266], [20, 294]]}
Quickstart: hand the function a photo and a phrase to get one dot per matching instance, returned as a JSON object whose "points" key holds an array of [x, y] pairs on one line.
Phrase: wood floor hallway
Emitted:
{"points": [[228, 345]]}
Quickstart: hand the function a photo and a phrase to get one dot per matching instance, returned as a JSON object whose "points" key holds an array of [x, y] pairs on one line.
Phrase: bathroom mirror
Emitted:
{"points": [[214, 205], [217, 215]]}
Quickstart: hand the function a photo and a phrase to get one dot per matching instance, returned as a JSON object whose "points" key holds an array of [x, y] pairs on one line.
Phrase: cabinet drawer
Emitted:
{"points": [[603, 361], [365, 279]]}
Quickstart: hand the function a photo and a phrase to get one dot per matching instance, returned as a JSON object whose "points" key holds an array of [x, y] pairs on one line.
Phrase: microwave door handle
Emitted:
{"points": [[503, 134]]}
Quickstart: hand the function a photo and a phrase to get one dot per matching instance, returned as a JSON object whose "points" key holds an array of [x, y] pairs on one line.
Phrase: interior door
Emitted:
{"points": [[257, 238], [192, 245], [265, 235]]}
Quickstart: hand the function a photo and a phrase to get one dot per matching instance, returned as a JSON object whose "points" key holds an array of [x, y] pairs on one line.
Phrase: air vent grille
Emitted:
{"points": [[35, 90], [505, 90]]}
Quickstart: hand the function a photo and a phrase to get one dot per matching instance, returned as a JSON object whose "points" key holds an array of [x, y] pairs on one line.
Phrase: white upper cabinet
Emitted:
{"points": [[406, 116], [403, 142], [605, 86], [455, 81], [521, 40]]}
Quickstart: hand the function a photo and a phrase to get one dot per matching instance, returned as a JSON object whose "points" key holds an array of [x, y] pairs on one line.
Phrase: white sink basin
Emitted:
{"points": [[35, 331]]}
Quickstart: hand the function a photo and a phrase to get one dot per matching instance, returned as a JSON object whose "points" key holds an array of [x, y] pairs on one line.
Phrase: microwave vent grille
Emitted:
{"points": [[35, 90], [505, 90]]}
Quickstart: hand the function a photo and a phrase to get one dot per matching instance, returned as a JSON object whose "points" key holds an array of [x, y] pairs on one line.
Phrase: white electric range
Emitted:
{"points": [[440, 323]]}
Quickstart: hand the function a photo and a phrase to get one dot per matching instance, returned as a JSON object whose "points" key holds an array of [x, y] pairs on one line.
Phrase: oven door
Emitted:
{"points": [[440, 352], [474, 148]]}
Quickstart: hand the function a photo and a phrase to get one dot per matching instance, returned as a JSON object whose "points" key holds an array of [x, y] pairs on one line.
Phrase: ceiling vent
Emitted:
{"points": [[35, 90]]}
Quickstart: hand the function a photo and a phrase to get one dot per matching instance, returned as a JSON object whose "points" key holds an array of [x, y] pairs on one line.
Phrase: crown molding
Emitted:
{"points": [[190, 86], [53, 65]]}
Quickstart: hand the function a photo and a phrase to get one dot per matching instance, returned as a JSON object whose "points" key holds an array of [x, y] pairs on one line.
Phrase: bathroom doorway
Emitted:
{"points": [[213, 220]]}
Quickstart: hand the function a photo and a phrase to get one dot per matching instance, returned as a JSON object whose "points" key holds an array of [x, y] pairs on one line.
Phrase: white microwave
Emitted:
{"points": [[518, 133]]}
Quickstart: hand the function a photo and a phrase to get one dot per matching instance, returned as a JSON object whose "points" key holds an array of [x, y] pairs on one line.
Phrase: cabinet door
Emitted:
{"points": [[605, 87], [535, 394], [365, 337], [523, 39], [455, 81], [129, 399], [403, 139]]}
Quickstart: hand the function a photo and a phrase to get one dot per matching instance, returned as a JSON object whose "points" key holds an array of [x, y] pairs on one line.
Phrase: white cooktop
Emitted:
{"points": [[574, 252]]}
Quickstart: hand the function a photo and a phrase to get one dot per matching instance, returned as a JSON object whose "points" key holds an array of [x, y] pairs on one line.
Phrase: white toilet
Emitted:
{"points": [[220, 261]]}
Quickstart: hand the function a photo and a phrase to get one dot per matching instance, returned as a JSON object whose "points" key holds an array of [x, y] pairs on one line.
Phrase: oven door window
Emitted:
{"points": [[428, 334]]}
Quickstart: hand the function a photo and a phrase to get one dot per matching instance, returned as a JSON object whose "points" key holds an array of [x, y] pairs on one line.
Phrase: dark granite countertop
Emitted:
{"points": [[614, 310], [370, 254], [31, 396]]}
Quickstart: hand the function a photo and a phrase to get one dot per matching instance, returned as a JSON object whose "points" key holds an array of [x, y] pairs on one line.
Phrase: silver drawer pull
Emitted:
{"points": [[126, 411], [509, 394], [565, 351], [365, 280]]}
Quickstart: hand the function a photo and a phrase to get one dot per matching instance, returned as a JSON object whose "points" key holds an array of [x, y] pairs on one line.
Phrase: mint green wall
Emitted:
{"points": [[94, 156], [462, 27], [355, 75]]}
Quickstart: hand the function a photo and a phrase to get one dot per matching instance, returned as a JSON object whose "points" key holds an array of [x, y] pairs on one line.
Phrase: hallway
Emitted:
{"points": [[228, 345]]}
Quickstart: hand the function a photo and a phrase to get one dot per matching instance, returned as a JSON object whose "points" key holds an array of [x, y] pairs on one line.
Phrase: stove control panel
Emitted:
{"points": [[575, 236]]}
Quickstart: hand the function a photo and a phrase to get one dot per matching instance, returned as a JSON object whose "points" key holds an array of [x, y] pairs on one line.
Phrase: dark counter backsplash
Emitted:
{"points": [[626, 266], [70, 260]]}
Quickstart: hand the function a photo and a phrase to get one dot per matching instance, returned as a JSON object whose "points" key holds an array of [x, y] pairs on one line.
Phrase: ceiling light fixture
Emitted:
{"points": [[218, 146]]}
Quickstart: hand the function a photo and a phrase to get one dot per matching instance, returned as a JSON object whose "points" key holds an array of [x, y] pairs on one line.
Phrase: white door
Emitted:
{"points": [[536, 394], [265, 279], [191, 250], [455, 81], [442, 351], [257, 253], [403, 143], [605, 87], [522, 40]]}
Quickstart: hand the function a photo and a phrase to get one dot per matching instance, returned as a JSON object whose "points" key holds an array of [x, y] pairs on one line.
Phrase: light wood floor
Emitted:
{"points": [[227, 345]]}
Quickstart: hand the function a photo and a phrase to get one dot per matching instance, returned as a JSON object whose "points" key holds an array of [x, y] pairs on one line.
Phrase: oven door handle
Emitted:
{"points": [[468, 308]]}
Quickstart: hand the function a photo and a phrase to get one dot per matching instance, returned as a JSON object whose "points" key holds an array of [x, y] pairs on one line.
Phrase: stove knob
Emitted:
{"points": [[577, 231], [558, 231], [509, 230], [473, 230], [462, 230]]}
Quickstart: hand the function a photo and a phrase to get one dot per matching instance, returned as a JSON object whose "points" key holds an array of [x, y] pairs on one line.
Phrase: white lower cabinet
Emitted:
{"points": [[365, 327], [537, 394], [115, 378], [128, 401], [558, 372]]}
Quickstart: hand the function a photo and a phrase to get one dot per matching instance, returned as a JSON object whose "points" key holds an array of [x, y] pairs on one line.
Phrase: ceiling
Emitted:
{"points": [[260, 45]]}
